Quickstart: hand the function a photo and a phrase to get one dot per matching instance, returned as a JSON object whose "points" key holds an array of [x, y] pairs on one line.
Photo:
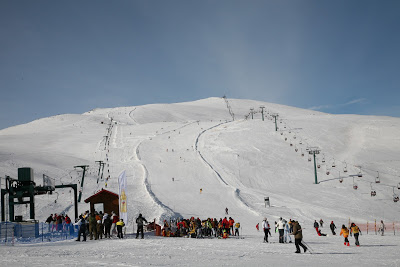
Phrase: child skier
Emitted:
{"points": [[345, 233]]}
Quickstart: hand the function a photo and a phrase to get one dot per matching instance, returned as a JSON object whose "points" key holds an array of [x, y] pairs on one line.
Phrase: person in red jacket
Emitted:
{"points": [[231, 223], [225, 224]]}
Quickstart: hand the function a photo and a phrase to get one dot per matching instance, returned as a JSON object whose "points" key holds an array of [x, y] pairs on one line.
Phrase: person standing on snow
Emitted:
{"points": [[345, 233], [237, 226], [287, 232], [382, 228], [107, 225], [333, 227], [298, 236], [49, 220], [82, 228], [281, 228], [140, 221], [120, 224], [321, 223], [114, 219], [231, 223], [226, 210], [316, 225], [356, 231], [266, 228]]}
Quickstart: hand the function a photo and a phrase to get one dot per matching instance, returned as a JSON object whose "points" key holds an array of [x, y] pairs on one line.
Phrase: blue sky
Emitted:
{"points": [[61, 57]]}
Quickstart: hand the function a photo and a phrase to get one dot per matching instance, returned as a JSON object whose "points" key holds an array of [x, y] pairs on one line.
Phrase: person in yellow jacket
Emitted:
{"points": [[237, 226], [356, 232], [120, 224], [345, 233]]}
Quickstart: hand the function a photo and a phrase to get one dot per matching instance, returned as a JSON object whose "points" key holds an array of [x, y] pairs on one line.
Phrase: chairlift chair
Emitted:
{"points": [[327, 172], [296, 149], [291, 144], [318, 166], [355, 186], [377, 179], [281, 133], [398, 186], [323, 159], [309, 158], [341, 180], [395, 197], [294, 137], [345, 169], [285, 138], [373, 193], [359, 174]]}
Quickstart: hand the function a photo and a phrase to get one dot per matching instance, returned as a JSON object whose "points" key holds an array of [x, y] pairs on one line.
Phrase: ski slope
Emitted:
{"points": [[171, 151]]}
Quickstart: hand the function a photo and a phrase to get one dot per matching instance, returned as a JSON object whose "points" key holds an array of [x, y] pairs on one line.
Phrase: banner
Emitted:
{"points": [[123, 204]]}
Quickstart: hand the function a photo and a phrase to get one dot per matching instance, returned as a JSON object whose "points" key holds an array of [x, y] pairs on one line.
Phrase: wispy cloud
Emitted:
{"points": [[330, 106]]}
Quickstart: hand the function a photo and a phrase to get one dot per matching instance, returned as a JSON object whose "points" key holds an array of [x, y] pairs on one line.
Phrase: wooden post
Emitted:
{"points": [[367, 227]]}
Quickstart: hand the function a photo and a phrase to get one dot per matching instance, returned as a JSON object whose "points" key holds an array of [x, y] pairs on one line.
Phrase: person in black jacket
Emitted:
{"points": [[140, 221], [49, 220], [333, 227], [107, 225], [82, 228]]}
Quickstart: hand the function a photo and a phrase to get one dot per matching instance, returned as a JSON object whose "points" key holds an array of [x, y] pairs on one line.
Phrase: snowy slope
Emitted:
{"points": [[235, 163]]}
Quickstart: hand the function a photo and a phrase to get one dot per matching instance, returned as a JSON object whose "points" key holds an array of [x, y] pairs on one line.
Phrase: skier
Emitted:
{"points": [[266, 228], [356, 231], [333, 227], [345, 233], [237, 226], [382, 228], [298, 236], [321, 223], [316, 225], [226, 210], [281, 228], [139, 222]]}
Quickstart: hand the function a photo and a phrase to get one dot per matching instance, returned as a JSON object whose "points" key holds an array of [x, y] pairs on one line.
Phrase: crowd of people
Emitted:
{"points": [[96, 225], [197, 228], [59, 223]]}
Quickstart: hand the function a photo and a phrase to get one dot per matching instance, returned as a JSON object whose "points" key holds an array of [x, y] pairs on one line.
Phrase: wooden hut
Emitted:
{"points": [[108, 199]]}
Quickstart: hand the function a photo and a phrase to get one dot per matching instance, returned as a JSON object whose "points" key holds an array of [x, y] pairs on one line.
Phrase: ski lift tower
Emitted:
{"points": [[313, 151], [262, 112], [84, 167], [275, 115]]}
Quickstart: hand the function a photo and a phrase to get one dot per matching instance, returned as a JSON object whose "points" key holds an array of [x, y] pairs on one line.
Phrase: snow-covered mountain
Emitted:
{"points": [[171, 151]]}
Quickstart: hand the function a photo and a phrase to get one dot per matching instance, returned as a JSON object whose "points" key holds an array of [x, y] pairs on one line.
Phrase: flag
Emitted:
{"points": [[123, 204]]}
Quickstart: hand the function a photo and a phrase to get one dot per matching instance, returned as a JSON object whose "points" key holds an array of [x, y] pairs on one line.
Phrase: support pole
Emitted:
{"points": [[84, 167], [275, 115], [313, 151]]}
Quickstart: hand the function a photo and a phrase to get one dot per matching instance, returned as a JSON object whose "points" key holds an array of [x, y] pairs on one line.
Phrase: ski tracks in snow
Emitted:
{"points": [[236, 191]]}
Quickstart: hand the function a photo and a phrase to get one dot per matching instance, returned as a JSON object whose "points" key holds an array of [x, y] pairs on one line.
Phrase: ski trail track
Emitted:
{"points": [[236, 191]]}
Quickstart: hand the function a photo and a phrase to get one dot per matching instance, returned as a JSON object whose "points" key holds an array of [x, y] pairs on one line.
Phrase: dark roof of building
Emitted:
{"points": [[101, 192]]}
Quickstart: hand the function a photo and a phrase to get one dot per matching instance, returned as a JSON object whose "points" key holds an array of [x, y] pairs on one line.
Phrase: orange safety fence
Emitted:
{"points": [[373, 227]]}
